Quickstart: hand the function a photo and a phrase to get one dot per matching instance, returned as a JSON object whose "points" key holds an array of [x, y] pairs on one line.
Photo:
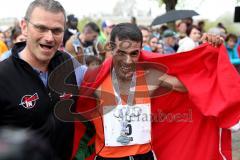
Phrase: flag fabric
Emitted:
{"points": [[185, 126]]}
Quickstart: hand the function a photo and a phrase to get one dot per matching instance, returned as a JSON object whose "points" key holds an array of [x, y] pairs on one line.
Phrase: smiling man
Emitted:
{"points": [[26, 98], [119, 137]]}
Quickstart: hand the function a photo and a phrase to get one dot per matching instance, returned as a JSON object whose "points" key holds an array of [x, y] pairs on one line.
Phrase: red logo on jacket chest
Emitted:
{"points": [[29, 101]]}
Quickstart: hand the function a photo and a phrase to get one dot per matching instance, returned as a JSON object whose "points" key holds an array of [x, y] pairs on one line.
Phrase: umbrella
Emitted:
{"points": [[173, 16]]}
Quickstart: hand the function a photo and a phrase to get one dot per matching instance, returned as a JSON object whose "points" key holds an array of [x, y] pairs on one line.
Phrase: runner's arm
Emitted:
{"points": [[176, 84]]}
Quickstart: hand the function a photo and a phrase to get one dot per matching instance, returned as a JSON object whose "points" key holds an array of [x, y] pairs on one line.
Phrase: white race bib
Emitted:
{"points": [[135, 120]]}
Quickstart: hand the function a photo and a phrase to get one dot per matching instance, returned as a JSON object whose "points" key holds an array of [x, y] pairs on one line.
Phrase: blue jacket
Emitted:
{"points": [[233, 55]]}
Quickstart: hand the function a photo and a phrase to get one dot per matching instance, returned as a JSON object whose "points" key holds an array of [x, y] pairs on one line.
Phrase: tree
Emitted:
{"points": [[170, 4], [182, 4]]}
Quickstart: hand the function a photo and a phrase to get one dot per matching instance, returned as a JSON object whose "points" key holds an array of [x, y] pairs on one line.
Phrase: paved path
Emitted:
{"points": [[236, 145]]}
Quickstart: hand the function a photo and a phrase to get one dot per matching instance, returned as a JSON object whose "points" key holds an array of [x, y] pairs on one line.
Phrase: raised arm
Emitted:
{"points": [[156, 78], [166, 80]]}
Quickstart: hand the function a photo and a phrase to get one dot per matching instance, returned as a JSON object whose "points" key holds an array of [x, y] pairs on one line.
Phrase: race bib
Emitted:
{"points": [[127, 125]]}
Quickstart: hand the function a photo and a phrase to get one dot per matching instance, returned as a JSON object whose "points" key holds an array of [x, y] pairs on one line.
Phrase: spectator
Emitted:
{"points": [[238, 46], [16, 36], [2, 36], [201, 25], [191, 41], [238, 49], [169, 41], [146, 34], [160, 48], [188, 21], [7, 34], [153, 43], [220, 25], [93, 62], [162, 29], [71, 29], [218, 31], [181, 28], [231, 45], [85, 44], [107, 27], [3, 47]]}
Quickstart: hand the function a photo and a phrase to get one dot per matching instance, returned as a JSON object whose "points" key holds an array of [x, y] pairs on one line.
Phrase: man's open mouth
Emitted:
{"points": [[46, 46], [126, 69]]}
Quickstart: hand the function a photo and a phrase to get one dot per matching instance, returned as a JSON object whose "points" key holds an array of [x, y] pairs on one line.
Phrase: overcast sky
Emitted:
{"points": [[208, 9]]}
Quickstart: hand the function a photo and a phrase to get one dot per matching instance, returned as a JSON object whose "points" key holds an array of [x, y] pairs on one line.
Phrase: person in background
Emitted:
{"points": [[231, 45], [238, 46], [72, 23], [153, 43], [188, 21], [220, 25], [160, 47], [162, 29], [85, 44], [107, 27], [7, 34], [181, 29], [2, 36], [93, 62], [103, 37], [146, 34], [218, 31], [201, 25], [3, 48], [169, 41], [16, 36], [3, 45], [191, 41]]}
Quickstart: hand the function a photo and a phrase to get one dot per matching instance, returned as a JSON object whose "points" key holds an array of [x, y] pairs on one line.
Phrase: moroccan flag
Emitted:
{"points": [[185, 126]]}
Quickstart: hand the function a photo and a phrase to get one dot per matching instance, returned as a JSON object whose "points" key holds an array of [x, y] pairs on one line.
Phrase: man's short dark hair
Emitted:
{"points": [[126, 31], [92, 26], [48, 5]]}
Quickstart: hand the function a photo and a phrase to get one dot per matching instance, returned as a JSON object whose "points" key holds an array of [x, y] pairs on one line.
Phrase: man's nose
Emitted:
{"points": [[128, 59], [49, 36]]}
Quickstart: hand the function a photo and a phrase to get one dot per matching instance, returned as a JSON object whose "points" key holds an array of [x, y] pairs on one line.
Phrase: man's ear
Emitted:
{"points": [[23, 25]]}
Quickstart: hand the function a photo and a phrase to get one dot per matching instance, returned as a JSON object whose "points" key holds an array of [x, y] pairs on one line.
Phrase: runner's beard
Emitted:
{"points": [[125, 72]]}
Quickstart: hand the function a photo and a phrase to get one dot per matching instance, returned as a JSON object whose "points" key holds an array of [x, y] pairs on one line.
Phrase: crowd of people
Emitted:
{"points": [[95, 93], [93, 39]]}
